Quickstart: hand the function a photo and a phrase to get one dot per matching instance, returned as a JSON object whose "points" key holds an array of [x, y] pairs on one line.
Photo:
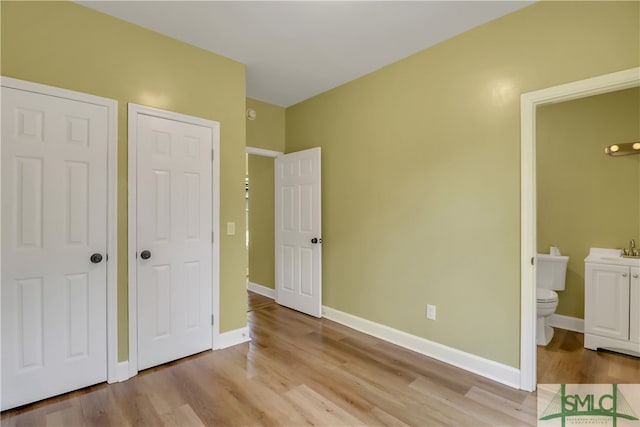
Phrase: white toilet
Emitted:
{"points": [[551, 273]]}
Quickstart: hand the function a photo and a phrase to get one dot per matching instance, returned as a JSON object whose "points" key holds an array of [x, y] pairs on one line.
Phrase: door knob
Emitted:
{"points": [[145, 254], [315, 240], [624, 274], [96, 258]]}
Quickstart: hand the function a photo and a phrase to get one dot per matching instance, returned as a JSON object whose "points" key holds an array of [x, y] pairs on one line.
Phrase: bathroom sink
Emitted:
{"points": [[610, 256]]}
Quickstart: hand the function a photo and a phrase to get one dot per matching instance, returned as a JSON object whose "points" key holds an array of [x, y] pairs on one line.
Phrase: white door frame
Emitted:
{"points": [[262, 152], [134, 111], [112, 205], [529, 102]]}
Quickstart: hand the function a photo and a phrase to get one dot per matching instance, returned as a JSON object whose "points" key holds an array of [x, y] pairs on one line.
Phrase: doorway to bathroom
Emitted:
{"points": [[579, 189], [537, 207]]}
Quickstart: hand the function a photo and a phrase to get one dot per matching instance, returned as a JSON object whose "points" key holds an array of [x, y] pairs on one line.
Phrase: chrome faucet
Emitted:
{"points": [[632, 251]]}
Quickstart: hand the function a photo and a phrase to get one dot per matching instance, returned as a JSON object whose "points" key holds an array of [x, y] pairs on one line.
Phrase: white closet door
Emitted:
{"points": [[54, 218], [174, 239]]}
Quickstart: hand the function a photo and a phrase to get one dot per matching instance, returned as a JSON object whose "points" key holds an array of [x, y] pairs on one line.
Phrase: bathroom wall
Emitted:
{"points": [[585, 198], [267, 132], [70, 46], [421, 170]]}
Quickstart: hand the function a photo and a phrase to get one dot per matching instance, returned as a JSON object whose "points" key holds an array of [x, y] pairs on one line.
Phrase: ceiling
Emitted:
{"points": [[294, 50]]}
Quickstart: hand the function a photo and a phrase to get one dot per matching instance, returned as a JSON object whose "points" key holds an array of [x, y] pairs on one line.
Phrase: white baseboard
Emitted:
{"points": [[231, 338], [262, 290], [566, 322], [122, 372], [469, 362]]}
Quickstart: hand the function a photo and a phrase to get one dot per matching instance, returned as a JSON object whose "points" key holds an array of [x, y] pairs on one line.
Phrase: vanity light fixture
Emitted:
{"points": [[623, 149]]}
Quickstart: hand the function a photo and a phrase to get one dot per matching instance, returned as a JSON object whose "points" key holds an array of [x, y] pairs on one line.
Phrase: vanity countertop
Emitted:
{"points": [[610, 256]]}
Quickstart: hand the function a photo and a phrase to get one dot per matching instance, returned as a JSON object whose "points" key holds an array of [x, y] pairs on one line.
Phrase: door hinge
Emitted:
{"points": [[212, 237], [532, 258], [212, 322], [212, 155]]}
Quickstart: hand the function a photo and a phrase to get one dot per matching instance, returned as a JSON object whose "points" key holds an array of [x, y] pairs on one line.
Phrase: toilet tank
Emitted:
{"points": [[551, 271]]}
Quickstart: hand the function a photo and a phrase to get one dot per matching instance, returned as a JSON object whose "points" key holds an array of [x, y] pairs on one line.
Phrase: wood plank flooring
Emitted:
{"points": [[565, 360], [296, 371]]}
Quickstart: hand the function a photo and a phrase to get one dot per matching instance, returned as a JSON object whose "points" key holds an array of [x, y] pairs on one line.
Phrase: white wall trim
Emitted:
{"points": [[262, 152], [262, 290], [123, 371], [134, 111], [529, 102], [487, 368], [565, 322], [231, 338], [112, 203]]}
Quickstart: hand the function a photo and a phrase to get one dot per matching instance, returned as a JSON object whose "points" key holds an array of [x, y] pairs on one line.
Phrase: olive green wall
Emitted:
{"points": [[421, 170], [261, 221], [267, 132], [69, 46], [585, 198]]}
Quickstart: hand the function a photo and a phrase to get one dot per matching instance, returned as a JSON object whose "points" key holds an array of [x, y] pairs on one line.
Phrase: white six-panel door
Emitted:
{"points": [[174, 239], [299, 231], [54, 218]]}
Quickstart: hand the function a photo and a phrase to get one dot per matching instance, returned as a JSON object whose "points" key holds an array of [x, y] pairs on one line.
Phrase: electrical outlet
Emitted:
{"points": [[431, 312]]}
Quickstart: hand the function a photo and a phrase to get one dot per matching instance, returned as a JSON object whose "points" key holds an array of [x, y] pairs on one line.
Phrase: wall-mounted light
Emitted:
{"points": [[623, 149], [251, 114]]}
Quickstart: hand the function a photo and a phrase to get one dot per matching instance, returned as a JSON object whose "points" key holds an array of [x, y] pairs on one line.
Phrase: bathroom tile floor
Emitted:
{"points": [[565, 360]]}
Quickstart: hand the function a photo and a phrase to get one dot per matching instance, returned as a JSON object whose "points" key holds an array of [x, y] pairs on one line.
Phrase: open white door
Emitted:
{"points": [[299, 231]]}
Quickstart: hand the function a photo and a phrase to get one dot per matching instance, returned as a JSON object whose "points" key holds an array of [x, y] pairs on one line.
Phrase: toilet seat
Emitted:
{"points": [[546, 295]]}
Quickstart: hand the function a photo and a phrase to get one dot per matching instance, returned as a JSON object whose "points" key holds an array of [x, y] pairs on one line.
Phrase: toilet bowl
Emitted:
{"points": [[551, 272], [546, 304]]}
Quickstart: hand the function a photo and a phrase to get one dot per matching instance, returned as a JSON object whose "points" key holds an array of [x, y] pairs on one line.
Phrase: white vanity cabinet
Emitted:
{"points": [[612, 302], [634, 307], [606, 311]]}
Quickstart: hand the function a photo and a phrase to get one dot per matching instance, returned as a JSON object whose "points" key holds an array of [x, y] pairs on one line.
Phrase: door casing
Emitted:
{"points": [[134, 111], [114, 374]]}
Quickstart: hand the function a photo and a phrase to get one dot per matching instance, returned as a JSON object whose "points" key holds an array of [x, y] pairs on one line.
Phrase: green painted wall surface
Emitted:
{"points": [[267, 131], [585, 198], [421, 170], [69, 46], [261, 221]]}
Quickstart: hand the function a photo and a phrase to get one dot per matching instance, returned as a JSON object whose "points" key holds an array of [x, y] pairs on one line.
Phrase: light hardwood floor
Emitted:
{"points": [[565, 360], [296, 371]]}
